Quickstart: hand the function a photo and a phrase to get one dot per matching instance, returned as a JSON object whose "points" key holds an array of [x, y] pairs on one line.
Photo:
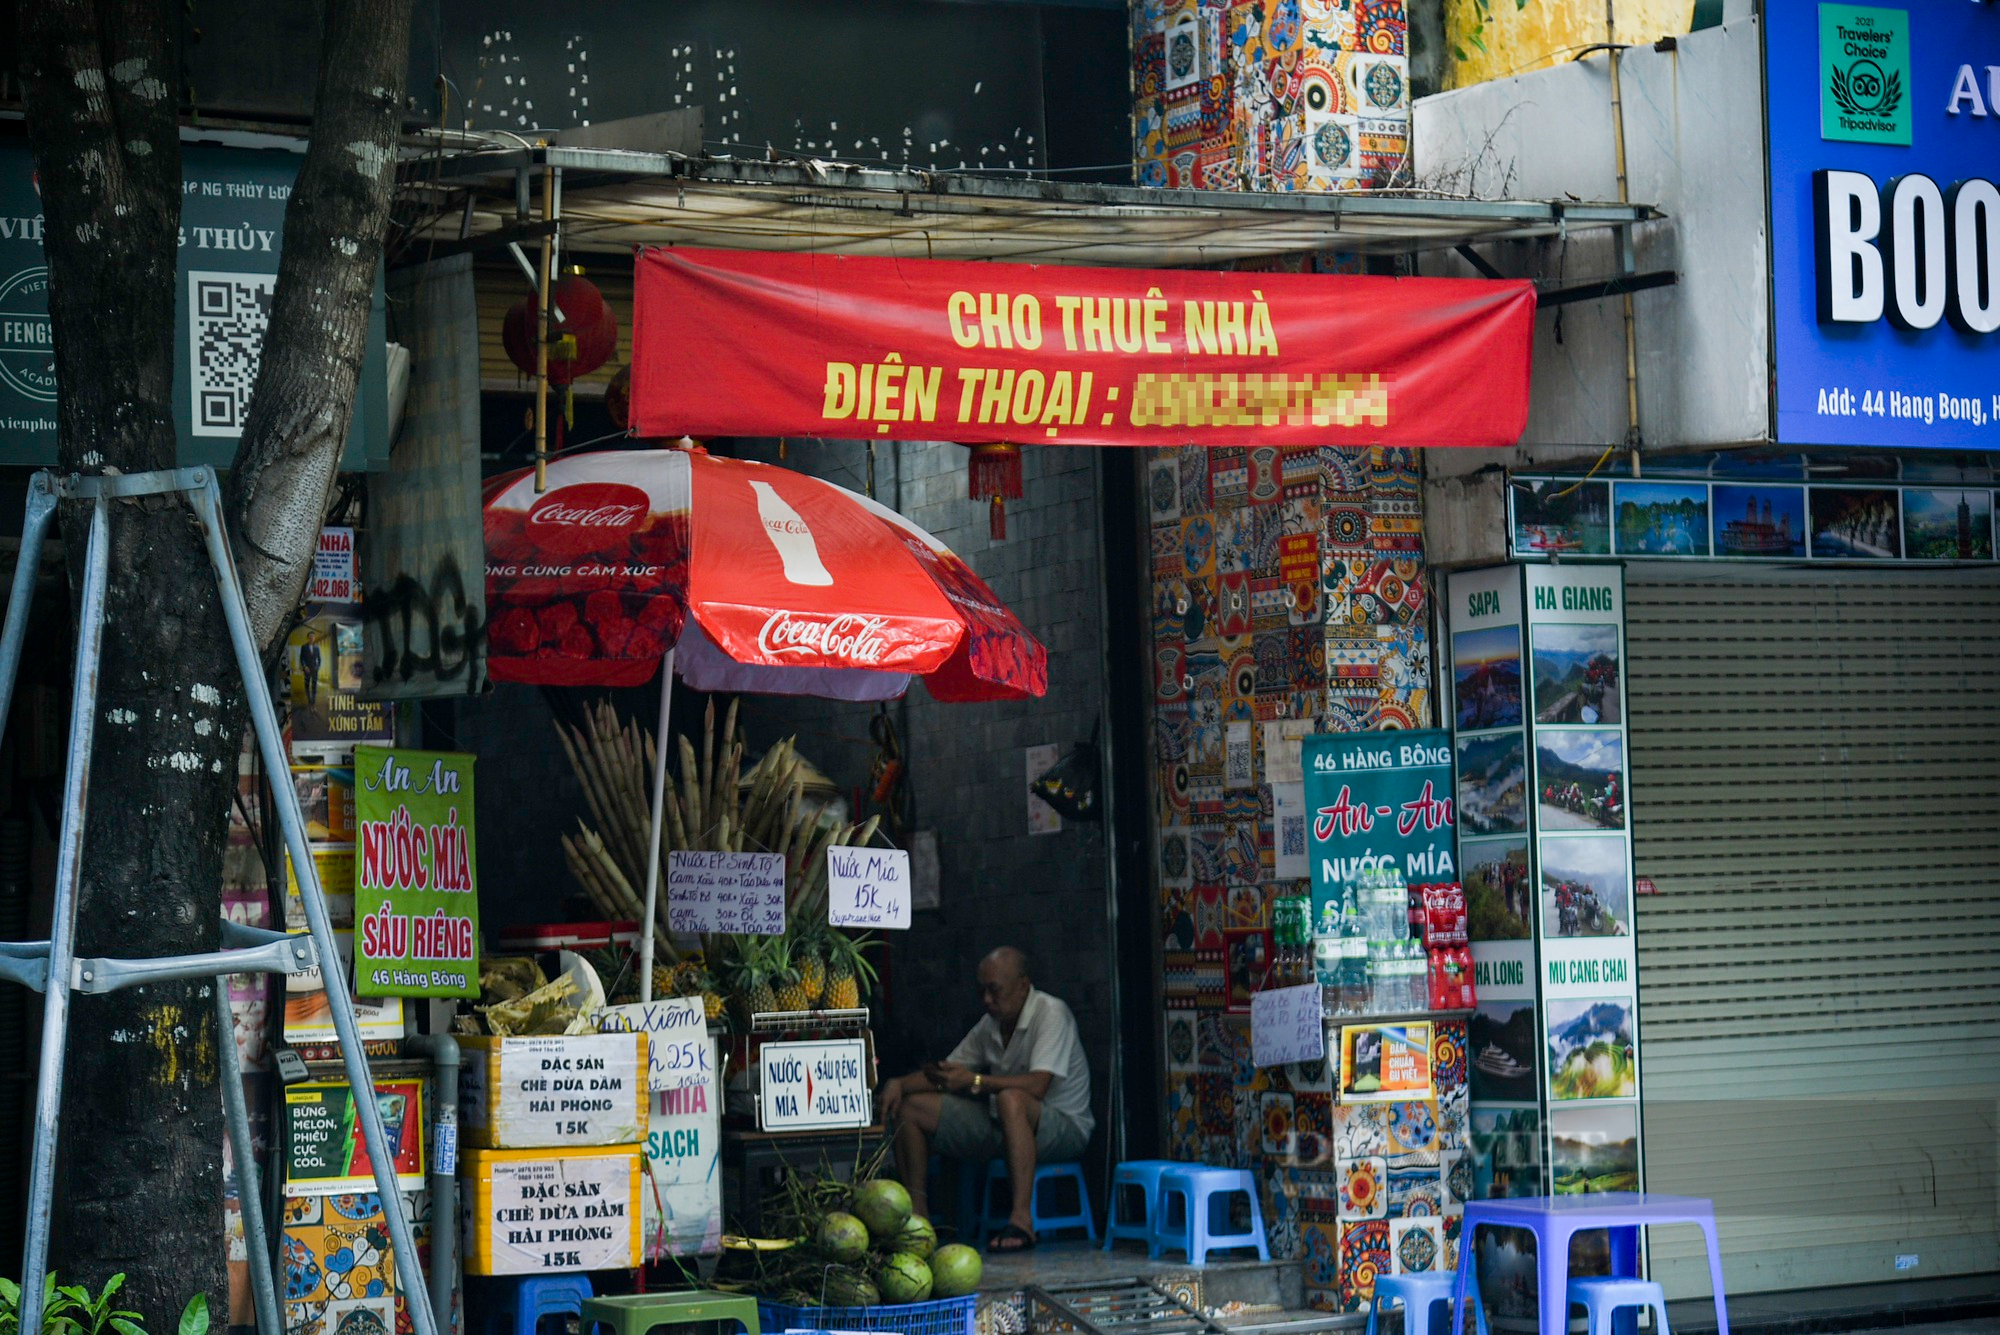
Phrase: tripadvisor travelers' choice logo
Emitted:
{"points": [[1864, 57], [27, 349]]}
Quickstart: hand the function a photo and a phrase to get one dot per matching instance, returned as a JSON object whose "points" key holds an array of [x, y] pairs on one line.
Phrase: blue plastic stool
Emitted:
{"points": [[516, 1306], [1416, 1293], [993, 1219], [1140, 1176], [1185, 1220], [1600, 1297], [970, 1178]]}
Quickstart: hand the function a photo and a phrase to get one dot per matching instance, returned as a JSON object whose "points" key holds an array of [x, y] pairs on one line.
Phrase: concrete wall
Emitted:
{"points": [[1694, 148]]}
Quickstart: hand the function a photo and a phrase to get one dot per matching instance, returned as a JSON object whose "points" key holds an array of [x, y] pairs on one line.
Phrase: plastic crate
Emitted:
{"points": [[941, 1316]]}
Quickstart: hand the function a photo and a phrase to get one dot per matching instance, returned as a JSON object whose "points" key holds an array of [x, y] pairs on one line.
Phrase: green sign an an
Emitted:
{"points": [[1864, 74], [416, 886], [1376, 798]]}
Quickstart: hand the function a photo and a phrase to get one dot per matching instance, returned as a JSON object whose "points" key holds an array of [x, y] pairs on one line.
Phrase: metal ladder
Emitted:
{"points": [[52, 967], [1135, 1306]]}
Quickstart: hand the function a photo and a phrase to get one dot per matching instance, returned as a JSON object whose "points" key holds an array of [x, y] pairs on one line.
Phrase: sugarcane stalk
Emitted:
{"points": [[676, 828], [585, 774], [707, 776], [635, 795], [732, 773], [760, 783], [691, 794], [611, 822], [580, 868], [625, 832], [733, 769]]}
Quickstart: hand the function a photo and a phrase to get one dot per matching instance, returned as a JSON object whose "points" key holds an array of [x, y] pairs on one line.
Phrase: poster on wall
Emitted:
{"points": [[231, 237], [1588, 1048], [416, 879], [324, 1151], [1385, 1063], [1379, 799]]}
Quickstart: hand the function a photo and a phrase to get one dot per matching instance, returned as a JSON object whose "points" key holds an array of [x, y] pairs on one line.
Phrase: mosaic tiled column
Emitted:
{"points": [[1289, 597]]}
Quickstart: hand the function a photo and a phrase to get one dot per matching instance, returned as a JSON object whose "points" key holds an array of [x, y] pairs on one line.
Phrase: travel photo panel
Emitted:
{"points": [[1588, 1044]]}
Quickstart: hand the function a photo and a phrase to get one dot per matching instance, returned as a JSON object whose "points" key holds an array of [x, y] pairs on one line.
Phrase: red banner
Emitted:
{"points": [[744, 343]]}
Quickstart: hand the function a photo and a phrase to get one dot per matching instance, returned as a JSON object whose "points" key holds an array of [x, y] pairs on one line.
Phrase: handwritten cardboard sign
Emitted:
{"points": [[677, 1048], [726, 892], [868, 887], [1286, 1025]]}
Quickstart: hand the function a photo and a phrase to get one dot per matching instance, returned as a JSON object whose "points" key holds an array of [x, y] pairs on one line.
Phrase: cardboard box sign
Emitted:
{"points": [[543, 1212], [530, 1093]]}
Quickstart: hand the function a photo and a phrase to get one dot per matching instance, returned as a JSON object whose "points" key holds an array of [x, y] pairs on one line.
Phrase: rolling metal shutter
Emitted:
{"points": [[1815, 760]]}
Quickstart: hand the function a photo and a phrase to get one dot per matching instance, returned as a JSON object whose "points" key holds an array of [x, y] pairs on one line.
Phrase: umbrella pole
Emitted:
{"points": [[647, 927]]}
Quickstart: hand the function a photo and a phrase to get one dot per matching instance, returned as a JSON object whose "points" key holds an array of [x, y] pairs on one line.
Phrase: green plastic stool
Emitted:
{"points": [[638, 1313]]}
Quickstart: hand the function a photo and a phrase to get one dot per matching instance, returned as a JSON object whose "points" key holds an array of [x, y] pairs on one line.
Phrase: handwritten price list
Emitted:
{"points": [[1286, 1025], [726, 892], [868, 887]]}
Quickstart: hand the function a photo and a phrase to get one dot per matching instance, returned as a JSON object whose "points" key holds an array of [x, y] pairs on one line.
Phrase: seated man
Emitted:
{"points": [[1017, 1086]]}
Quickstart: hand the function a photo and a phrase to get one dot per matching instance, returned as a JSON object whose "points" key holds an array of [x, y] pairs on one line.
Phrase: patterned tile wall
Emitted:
{"points": [[1289, 596], [1270, 94]]}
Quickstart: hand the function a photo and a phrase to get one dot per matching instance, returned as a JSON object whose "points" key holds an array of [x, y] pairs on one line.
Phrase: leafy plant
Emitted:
{"points": [[1482, 13], [69, 1309]]}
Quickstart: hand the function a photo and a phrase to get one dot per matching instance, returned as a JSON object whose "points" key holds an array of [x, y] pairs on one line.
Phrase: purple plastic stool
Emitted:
{"points": [[1554, 1220]]}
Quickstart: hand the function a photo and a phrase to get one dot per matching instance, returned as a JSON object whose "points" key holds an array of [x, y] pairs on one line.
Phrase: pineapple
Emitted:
{"points": [[750, 973], [848, 971], [811, 964], [791, 991], [759, 998], [711, 1005]]}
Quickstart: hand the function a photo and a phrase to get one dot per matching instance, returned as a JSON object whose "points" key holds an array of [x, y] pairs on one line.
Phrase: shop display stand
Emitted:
{"points": [[52, 967]]}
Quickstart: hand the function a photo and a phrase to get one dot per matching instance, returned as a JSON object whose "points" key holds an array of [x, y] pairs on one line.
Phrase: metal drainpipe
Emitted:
{"points": [[1626, 260], [443, 1051]]}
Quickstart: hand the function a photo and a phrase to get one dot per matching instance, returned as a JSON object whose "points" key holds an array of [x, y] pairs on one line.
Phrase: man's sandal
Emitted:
{"points": [[1010, 1239]]}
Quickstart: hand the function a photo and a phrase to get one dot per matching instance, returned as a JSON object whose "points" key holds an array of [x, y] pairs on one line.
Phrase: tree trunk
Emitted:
{"points": [[289, 457], [139, 1182], [138, 1186]]}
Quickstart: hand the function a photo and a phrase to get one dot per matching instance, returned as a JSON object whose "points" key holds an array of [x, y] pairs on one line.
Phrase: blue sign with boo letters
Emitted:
{"points": [[1885, 222]]}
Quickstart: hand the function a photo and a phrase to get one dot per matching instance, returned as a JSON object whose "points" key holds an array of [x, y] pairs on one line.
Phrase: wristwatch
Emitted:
{"points": [[979, 1082]]}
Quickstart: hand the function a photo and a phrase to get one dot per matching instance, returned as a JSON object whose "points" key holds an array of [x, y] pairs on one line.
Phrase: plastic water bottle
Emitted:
{"points": [[1415, 994], [1378, 977], [1327, 961], [1396, 904], [1354, 956]]}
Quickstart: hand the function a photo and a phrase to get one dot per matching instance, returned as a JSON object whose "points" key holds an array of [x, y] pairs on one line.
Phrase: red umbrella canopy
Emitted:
{"points": [[765, 580]]}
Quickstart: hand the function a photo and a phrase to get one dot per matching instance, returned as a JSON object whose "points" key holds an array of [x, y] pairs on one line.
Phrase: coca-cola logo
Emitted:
{"points": [[587, 516], [592, 505], [841, 637]]}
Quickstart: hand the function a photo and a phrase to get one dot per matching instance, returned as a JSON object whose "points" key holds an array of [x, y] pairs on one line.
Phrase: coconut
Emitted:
{"points": [[843, 1237], [916, 1237], [884, 1206], [955, 1271], [904, 1279], [850, 1288]]}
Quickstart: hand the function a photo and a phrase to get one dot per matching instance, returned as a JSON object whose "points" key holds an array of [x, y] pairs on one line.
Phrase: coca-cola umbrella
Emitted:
{"points": [[738, 576]]}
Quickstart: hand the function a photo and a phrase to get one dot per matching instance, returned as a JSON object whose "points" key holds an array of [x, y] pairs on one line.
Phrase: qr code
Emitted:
{"points": [[228, 313], [1292, 837]]}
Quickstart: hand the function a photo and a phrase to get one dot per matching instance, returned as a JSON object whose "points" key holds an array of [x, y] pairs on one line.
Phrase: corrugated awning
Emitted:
{"points": [[614, 199]]}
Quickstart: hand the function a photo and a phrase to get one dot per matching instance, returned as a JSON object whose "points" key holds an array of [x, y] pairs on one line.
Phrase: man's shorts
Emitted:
{"points": [[968, 1130]]}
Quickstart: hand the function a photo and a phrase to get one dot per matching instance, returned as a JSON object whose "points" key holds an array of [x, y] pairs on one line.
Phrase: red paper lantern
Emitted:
{"points": [[995, 476], [618, 399], [583, 335]]}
